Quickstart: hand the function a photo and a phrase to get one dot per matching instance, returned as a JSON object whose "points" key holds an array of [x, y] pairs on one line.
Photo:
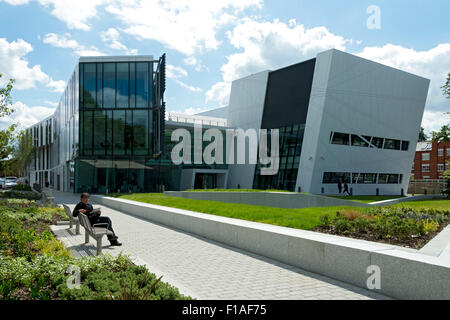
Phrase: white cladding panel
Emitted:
{"points": [[354, 95], [245, 111]]}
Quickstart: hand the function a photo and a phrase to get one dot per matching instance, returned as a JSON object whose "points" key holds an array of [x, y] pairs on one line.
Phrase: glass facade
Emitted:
{"points": [[291, 141], [116, 133]]}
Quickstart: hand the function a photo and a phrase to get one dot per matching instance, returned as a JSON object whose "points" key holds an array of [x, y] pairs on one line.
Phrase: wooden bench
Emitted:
{"points": [[95, 231], [72, 219]]}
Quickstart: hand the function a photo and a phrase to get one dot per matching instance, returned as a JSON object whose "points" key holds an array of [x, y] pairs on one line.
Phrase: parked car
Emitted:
{"points": [[2, 183], [10, 182]]}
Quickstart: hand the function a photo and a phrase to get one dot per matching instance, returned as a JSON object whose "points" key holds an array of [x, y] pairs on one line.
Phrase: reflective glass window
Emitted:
{"points": [[405, 145], [99, 85], [109, 85], [89, 85], [122, 85], [392, 144], [119, 132], [142, 85], [378, 142], [357, 141], [87, 132], [99, 132], [129, 139], [132, 85], [140, 132], [341, 138]]}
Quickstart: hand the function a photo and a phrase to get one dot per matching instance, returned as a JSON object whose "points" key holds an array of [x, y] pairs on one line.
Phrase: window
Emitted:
{"points": [[448, 151], [109, 84], [426, 177], [89, 85], [87, 134], [142, 85], [335, 177], [388, 179], [119, 132], [367, 178], [425, 168], [412, 166], [440, 152], [392, 144], [99, 85], [341, 138], [355, 177], [99, 132], [440, 167], [378, 142], [425, 157], [122, 85], [357, 141], [405, 145]]}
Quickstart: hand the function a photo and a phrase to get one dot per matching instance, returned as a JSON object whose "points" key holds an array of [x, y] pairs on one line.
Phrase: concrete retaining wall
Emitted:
{"points": [[405, 273], [270, 199]]}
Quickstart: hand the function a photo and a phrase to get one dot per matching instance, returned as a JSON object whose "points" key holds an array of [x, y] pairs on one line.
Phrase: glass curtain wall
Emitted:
{"points": [[115, 126], [291, 141]]}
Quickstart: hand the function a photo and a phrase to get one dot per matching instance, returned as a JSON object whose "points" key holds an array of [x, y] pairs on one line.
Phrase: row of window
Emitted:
{"points": [[361, 178], [355, 140], [441, 152], [440, 167], [116, 85], [118, 132]]}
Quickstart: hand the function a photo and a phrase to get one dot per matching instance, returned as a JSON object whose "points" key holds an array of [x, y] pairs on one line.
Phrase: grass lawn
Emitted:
{"points": [[235, 190], [366, 199], [306, 219]]}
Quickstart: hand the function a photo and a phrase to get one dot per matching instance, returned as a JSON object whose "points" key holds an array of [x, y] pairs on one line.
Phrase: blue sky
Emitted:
{"points": [[209, 43]]}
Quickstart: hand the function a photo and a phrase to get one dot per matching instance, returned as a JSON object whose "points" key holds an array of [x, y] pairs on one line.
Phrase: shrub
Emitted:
{"points": [[21, 187], [33, 263], [393, 224]]}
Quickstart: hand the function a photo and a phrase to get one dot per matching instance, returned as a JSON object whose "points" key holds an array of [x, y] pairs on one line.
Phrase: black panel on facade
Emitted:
{"points": [[287, 96]]}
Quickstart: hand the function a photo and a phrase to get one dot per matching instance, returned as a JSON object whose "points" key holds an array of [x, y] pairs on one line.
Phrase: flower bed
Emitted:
{"points": [[409, 227], [34, 264]]}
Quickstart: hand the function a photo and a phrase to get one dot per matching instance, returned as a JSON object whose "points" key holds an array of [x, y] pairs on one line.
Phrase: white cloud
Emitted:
{"points": [[174, 72], [13, 64], [16, 2], [65, 41], [51, 103], [185, 26], [75, 14], [434, 120], [270, 45], [25, 116], [111, 38], [195, 63], [219, 93], [190, 88]]}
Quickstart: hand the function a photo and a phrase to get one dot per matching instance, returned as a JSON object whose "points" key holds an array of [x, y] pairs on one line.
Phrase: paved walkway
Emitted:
{"points": [[205, 269]]}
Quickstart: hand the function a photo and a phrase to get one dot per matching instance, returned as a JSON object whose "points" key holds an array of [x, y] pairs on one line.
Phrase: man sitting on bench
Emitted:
{"points": [[94, 217]]}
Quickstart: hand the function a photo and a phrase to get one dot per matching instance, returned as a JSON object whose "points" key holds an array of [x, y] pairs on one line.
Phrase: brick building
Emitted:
{"points": [[430, 160]]}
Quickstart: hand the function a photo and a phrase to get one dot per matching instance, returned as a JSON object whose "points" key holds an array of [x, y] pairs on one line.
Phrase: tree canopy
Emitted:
{"points": [[6, 135]]}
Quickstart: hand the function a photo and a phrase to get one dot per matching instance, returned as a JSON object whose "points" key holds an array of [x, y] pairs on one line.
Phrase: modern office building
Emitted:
{"points": [[340, 117], [108, 129]]}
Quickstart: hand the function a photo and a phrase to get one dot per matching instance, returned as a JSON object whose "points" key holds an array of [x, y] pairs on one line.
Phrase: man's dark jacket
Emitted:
{"points": [[93, 216]]}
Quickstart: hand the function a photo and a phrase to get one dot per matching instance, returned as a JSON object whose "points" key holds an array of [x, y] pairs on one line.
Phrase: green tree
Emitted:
{"points": [[422, 135], [6, 135], [446, 87], [23, 152], [442, 136]]}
